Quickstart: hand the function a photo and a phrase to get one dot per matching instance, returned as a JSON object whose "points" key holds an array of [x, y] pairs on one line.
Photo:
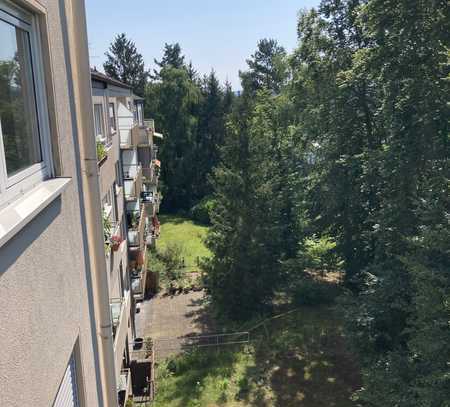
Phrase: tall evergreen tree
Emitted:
{"points": [[267, 68], [174, 101], [246, 233], [172, 57], [210, 135], [126, 64]]}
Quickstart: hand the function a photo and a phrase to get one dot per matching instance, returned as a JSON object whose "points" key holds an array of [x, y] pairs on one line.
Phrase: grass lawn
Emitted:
{"points": [[183, 231], [299, 360]]}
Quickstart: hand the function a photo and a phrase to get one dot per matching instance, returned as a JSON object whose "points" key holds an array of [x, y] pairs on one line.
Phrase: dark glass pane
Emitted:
{"points": [[18, 117]]}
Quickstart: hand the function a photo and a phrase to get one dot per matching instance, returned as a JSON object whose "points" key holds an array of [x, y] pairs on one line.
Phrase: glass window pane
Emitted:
{"points": [[18, 116], [112, 116], [98, 122]]}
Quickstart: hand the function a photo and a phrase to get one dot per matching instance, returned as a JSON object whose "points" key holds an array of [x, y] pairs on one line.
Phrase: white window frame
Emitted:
{"points": [[101, 123], [112, 119], [16, 185]]}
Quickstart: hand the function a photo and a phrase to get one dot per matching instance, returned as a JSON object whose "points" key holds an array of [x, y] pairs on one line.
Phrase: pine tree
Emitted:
{"points": [[246, 234], [126, 64], [172, 57], [267, 68]]}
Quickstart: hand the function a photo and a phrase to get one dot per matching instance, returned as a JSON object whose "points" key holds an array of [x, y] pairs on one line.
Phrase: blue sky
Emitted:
{"points": [[218, 34]]}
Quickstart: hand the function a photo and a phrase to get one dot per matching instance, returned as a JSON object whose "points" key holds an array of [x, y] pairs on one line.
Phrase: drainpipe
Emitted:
{"points": [[79, 65]]}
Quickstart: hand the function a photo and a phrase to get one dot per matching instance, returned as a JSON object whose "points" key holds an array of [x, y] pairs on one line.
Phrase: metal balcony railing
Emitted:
{"points": [[149, 124], [116, 305], [155, 150], [132, 180], [136, 227], [124, 387], [138, 276]]}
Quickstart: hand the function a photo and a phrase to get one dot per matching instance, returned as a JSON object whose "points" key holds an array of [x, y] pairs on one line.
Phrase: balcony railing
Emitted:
{"points": [[149, 124], [138, 276], [136, 228], [155, 150], [116, 305], [132, 181], [124, 387]]}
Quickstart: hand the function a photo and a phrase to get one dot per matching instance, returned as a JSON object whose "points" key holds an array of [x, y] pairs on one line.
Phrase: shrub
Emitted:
{"points": [[172, 257], [101, 151], [200, 212], [320, 254], [310, 292]]}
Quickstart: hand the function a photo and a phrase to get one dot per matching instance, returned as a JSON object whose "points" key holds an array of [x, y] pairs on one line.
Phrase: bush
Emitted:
{"points": [[172, 257], [200, 212], [310, 292], [101, 151], [320, 254]]}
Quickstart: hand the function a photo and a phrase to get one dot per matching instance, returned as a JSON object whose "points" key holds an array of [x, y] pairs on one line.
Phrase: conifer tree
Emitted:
{"points": [[126, 64]]}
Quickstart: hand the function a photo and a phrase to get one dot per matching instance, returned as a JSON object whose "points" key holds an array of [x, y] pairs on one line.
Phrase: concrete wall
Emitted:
{"points": [[44, 275]]}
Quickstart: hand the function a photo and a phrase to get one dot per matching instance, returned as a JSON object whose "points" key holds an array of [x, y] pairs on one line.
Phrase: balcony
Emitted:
{"points": [[136, 228], [149, 124], [138, 282], [150, 175], [120, 315], [155, 150], [116, 307], [124, 388], [145, 136], [132, 181]]}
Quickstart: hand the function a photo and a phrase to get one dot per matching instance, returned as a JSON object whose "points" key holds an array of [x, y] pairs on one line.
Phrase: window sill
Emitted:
{"points": [[15, 216]]}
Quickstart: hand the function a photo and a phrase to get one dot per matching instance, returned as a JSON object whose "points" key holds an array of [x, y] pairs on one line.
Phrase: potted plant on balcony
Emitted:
{"points": [[101, 151], [116, 242]]}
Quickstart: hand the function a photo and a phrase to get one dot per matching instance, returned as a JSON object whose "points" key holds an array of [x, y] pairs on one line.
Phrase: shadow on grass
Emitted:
{"points": [[303, 362]]}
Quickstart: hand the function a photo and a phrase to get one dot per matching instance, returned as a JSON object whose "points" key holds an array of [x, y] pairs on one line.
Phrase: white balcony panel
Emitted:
{"points": [[121, 333]]}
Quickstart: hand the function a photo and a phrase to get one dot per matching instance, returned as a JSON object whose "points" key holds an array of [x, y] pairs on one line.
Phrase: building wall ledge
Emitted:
{"points": [[18, 214]]}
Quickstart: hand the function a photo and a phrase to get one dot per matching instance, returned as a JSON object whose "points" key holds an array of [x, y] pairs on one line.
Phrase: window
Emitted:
{"points": [[139, 114], [112, 117], [67, 395], [25, 156], [98, 123]]}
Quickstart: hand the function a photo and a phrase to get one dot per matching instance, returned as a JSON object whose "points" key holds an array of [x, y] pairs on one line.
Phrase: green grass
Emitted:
{"points": [[299, 360], [183, 231]]}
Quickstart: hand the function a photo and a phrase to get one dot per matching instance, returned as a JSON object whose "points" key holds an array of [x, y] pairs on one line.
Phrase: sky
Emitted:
{"points": [[214, 34]]}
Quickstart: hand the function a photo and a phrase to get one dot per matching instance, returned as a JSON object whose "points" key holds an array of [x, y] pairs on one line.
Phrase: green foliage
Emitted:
{"points": [[174, 99], [201, 211], [300, 353], [320, 254], [172, 258], [126, 64], [310, 292], [107, 230], [335, 157], [101, 151], [248, 222], [180, 230], [268, 68]]}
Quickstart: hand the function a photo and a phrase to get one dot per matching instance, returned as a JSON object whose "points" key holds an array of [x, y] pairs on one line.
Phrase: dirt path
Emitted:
{"points": [[168, 319]]}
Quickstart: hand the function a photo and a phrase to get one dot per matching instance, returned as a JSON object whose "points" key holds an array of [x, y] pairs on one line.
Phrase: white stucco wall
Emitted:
{"points": [[44, 277]]}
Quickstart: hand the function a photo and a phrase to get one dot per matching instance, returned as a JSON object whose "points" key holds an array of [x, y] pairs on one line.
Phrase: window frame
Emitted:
{"points": [[14, 186], [102, 125], [112, 119]]}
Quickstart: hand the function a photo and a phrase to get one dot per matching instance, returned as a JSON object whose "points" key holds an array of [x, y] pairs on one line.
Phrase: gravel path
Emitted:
{"points": [[168, 319]]}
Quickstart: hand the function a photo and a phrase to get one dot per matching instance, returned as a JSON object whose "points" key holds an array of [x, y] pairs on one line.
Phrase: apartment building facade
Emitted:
{"points": [[106, 96], [128, 178], [56, 340]]}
